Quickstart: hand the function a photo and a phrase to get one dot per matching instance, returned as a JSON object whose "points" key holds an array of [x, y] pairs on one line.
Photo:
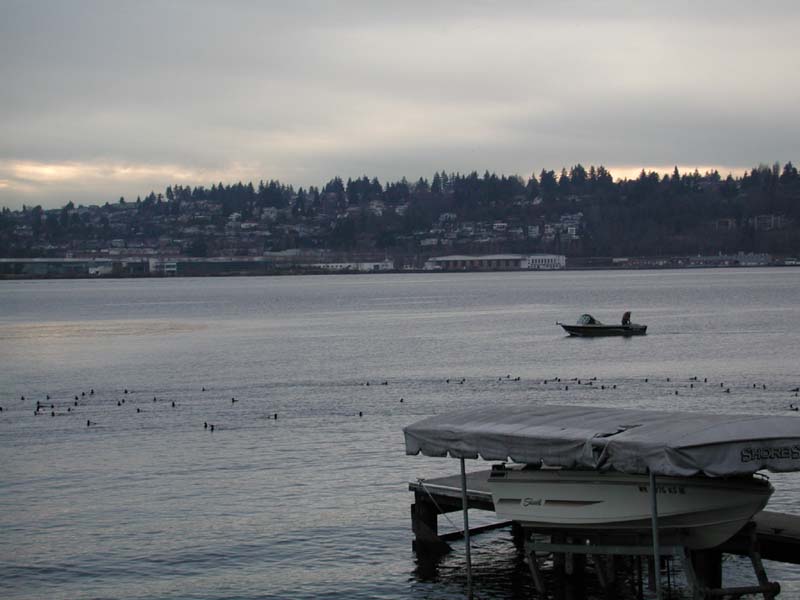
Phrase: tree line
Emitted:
{"points": [[677, 213]]}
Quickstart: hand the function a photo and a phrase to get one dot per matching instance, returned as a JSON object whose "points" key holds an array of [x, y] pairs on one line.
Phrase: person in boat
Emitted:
{"points": [[626, 317]]}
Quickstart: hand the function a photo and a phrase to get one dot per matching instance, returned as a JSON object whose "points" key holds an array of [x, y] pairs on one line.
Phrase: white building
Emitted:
{"points": [[496, 262], [356, 267], [160, 266], [540, 262]]}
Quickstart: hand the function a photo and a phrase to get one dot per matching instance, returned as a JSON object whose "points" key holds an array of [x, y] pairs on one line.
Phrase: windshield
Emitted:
{"points": [[588, 320]]}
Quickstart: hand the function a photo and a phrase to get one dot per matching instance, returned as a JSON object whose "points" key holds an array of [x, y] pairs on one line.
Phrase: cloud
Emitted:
{"points": [[89, 182], [304, 92]]}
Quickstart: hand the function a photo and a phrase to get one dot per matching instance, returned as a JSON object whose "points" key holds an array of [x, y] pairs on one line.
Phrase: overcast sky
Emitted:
{"points": [[106, 99]]}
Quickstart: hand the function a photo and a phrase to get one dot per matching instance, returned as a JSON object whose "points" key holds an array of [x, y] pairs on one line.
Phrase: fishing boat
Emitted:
{"points": [[588, 326], [695, 512]]}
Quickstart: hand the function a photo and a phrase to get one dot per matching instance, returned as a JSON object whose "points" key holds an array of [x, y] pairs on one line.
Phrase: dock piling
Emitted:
{"points": [[465, 508]]}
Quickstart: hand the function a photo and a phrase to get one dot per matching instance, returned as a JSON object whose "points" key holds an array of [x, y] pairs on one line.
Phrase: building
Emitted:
{"points": [[161, 266], [496, 262], [355, 267], [540, 262], [72, 267]]}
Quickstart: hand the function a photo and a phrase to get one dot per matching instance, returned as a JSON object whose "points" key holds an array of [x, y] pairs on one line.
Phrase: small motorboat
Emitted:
{"points": [[588, 326], [696, 512]]}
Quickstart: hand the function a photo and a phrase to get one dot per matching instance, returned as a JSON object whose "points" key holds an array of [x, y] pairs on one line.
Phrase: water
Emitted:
{"points": [[150, 504]]}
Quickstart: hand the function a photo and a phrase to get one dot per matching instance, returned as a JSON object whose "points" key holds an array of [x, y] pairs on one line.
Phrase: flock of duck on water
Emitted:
{"points": [[49, 406]]}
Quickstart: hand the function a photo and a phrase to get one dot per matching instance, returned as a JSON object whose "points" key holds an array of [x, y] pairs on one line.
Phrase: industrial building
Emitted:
{"points": [[497, 262]]}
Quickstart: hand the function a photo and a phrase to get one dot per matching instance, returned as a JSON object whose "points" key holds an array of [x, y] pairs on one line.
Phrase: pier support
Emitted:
{"points": [[707, 565], [704, 572], [425, 525]]}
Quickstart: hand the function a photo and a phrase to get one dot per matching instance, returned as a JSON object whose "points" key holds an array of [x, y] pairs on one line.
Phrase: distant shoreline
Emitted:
{"points": [[289, 272]]}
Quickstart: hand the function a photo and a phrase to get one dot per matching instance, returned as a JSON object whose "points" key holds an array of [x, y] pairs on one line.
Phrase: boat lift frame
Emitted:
{"points": [[600, 550]]}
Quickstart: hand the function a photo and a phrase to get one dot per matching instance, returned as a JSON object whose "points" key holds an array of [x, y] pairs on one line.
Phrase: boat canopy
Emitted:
{"points": [[588, 319], [624, 440]]}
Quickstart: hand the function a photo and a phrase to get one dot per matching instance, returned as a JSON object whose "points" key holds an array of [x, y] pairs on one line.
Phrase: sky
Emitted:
{"points": [[102, 99]]}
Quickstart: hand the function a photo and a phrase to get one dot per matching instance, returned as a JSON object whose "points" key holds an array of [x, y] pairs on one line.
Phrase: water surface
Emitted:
{"points": [[149, 504]]}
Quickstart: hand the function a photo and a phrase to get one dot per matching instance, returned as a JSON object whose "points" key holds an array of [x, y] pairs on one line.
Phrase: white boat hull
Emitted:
{"points": [[697, 512]]}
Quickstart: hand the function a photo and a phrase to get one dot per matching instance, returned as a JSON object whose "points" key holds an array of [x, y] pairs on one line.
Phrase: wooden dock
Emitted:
{"points": [[771, 535]]}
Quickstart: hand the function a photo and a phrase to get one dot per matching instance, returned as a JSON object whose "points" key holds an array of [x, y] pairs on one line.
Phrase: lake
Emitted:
{"points": [[148, 503]]}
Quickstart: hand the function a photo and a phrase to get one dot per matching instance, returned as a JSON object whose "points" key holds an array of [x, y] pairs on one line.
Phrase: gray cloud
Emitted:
{"points": [[102, 99]]}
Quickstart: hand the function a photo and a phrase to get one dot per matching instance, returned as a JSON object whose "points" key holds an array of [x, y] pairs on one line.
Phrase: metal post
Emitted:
{"points": [[656, 549], [466, 528]]}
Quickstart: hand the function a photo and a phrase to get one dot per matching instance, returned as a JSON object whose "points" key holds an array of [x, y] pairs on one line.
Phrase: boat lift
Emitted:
{"points": [[770, 535], [552, 435]]}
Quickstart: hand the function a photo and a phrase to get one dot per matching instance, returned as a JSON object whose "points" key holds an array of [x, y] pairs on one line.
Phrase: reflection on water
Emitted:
{"points": [[148, 503], [94, 329]]}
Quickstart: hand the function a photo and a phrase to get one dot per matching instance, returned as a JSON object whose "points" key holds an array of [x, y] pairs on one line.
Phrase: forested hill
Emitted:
{"points": [[578, 212]]}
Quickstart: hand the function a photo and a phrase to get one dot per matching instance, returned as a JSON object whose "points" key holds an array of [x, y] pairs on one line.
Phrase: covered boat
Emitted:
{"points": [[580, 467], [695, 512], [588, 326]]}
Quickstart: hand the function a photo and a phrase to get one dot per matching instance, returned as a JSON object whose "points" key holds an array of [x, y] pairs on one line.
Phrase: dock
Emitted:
{"points": [[770, 535]]}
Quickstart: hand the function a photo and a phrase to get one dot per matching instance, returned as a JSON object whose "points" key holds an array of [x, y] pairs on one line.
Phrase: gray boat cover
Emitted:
{"points": [[625, 440]]}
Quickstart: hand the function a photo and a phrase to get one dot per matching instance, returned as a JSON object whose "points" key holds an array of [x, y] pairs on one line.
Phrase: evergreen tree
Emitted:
{"points": [[578, 178], [436, 184], [548, 184], [789, 174], [532, 187]]}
